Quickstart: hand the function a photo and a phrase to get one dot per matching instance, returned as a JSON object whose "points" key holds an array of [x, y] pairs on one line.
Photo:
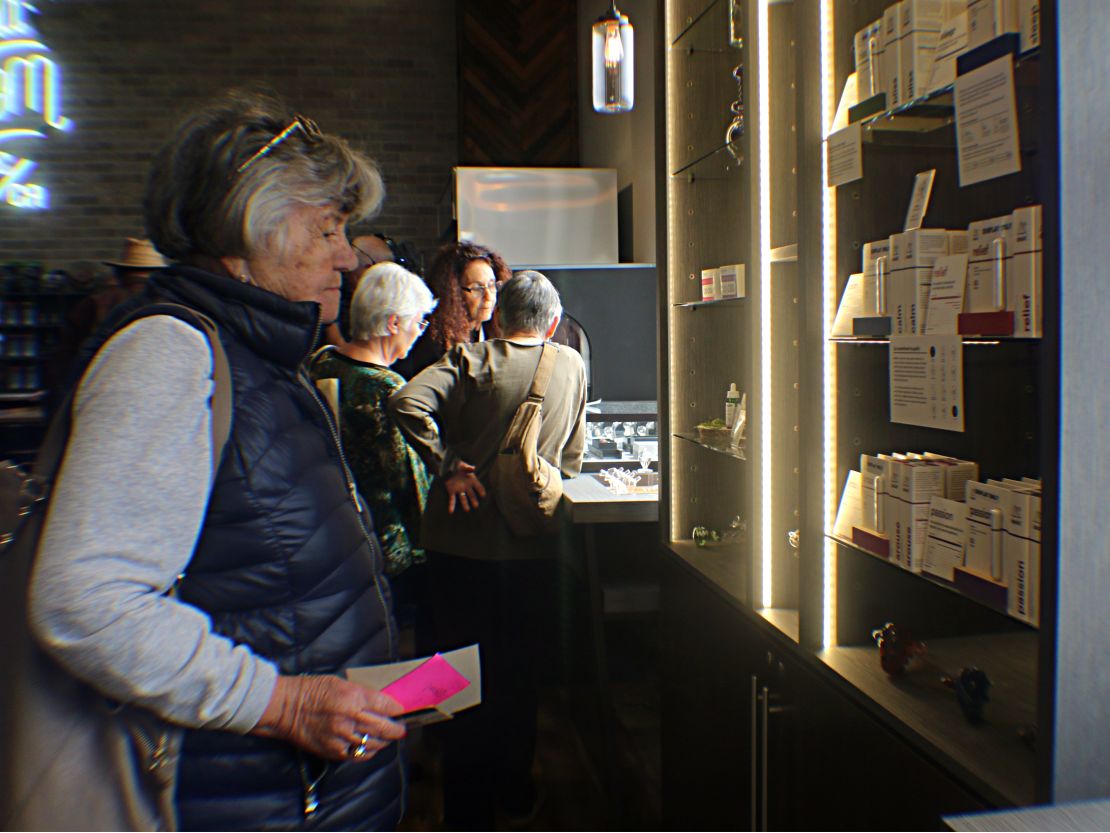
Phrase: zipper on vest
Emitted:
{"points": [[353, 490]]}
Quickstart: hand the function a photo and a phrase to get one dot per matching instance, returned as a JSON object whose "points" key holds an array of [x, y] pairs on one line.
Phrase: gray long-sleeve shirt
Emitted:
{"points": [[124, 519]]}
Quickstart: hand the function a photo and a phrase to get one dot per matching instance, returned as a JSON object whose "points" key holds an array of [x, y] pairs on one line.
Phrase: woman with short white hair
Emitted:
{"points": [[387, 316]]}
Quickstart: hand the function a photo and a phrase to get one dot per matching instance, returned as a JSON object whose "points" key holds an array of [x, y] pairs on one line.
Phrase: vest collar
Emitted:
{"points": [[278, 330]]}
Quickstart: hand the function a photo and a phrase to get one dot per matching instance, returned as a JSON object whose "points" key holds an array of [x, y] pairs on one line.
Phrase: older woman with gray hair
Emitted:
{"points": [[387, 315], [227, 596], [488, 585]]}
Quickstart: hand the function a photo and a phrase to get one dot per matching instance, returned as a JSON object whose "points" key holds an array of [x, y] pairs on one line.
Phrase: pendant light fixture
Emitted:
{"points": [[612, 62]]}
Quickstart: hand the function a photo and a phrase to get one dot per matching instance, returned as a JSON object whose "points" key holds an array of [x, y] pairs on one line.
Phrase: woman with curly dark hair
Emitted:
{"points": [[464, 278]]}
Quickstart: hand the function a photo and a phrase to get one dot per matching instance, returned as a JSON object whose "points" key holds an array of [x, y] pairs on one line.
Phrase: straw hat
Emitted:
{"points": [[138, 254]]}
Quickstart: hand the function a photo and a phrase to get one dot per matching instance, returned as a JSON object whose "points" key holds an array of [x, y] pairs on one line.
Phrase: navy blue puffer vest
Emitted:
{"points": [[286, 565]]}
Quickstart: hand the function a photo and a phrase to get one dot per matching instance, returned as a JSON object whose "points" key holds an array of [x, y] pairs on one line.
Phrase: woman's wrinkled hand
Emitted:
{"points": [[330, 717], [464, 489]]}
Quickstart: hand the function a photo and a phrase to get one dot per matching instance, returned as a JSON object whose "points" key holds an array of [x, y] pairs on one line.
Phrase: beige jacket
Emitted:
{"points": [[460, 408]]}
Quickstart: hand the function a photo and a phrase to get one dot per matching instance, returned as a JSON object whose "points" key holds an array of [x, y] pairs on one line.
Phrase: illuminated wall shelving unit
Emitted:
{"points": [[799, 619], [733, 202]]}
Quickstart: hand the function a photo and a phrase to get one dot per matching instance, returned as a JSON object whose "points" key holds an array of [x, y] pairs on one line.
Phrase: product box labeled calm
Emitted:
{"points": [[920, 22], [1029, 21], [1024, 280], [987, 262], [892, 52], [731, 281], [913, 254], [946, 537]]}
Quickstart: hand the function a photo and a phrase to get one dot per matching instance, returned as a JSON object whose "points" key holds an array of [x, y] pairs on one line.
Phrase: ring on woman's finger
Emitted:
{"points": [[360, 750]]}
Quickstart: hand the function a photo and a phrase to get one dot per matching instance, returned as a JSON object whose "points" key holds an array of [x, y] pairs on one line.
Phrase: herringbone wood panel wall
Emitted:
{"points": [[518, 80]]}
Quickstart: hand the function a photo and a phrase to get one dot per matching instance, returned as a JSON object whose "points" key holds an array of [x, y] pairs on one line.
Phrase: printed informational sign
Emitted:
{"points": [[927, 381], [986, 122], [30, 105], [845, 156]]}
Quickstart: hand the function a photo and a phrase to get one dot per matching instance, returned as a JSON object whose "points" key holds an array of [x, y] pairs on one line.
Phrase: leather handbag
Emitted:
{"points": [[69, 758], [526, 488]]}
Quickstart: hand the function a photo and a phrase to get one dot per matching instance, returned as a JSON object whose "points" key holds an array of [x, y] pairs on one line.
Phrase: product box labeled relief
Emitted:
{"points": [[913, 254], [987, 253], [892, 55], [920, 22], [1024, 280], [731, 280]]}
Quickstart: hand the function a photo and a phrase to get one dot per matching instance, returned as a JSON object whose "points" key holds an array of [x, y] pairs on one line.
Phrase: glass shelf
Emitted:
{"points": [[727, 450], [931, 579], [717, 302], [717, 163], [22, 395], [976, 341], [922, 115], [691, 23]]}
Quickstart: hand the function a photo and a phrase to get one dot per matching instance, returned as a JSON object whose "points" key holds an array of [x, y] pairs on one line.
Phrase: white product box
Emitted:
{"points": [[732, 281], [913, 254], [1024, 280], [892, 52], [988, 251], [918, 482], [710, 284], [868, 51], [956, 474], [920, 22], [986, 520], [951, 44], [876, 263], [1029, 22], [1021, 550], [958, 241], [947, 537], [874, 487], [987, 19]]}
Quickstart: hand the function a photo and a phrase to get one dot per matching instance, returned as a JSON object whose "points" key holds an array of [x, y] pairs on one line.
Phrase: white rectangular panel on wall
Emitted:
{"points": [[540, 216]]}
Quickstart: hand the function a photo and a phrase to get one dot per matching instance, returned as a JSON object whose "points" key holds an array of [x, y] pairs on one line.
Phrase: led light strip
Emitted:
{"points": [[672, 288], [828, 313], [763, 151]]}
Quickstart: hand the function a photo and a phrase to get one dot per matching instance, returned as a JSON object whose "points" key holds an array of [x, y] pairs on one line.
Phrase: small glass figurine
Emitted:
{"points": [[972, 689], [899, 652], [704, 535]]}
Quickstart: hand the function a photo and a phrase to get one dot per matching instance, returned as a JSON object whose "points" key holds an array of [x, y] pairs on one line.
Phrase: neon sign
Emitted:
{"points": [[30, 102]]}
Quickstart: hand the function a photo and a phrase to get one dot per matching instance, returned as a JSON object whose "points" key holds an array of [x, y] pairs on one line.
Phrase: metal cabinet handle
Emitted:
{"points": [[752, 745], [765, 696]]}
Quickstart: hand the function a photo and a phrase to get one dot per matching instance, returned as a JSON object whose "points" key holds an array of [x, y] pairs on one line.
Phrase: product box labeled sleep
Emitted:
{"points": [[892, 55], [920, 24]]}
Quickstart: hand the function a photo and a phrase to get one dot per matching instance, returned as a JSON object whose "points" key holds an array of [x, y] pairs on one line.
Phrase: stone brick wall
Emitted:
{"points": [[382, 73]]}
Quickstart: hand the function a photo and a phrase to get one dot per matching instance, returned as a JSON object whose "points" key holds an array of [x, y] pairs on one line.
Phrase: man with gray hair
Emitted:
{"points": [[488, 585]]}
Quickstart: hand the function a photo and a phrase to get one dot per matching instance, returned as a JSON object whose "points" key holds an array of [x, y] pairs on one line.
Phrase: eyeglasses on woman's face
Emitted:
{"points": [[476, 288]]}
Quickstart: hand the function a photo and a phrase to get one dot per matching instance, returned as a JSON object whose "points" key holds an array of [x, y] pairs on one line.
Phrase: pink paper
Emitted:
{"points": [[427, 685]]}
